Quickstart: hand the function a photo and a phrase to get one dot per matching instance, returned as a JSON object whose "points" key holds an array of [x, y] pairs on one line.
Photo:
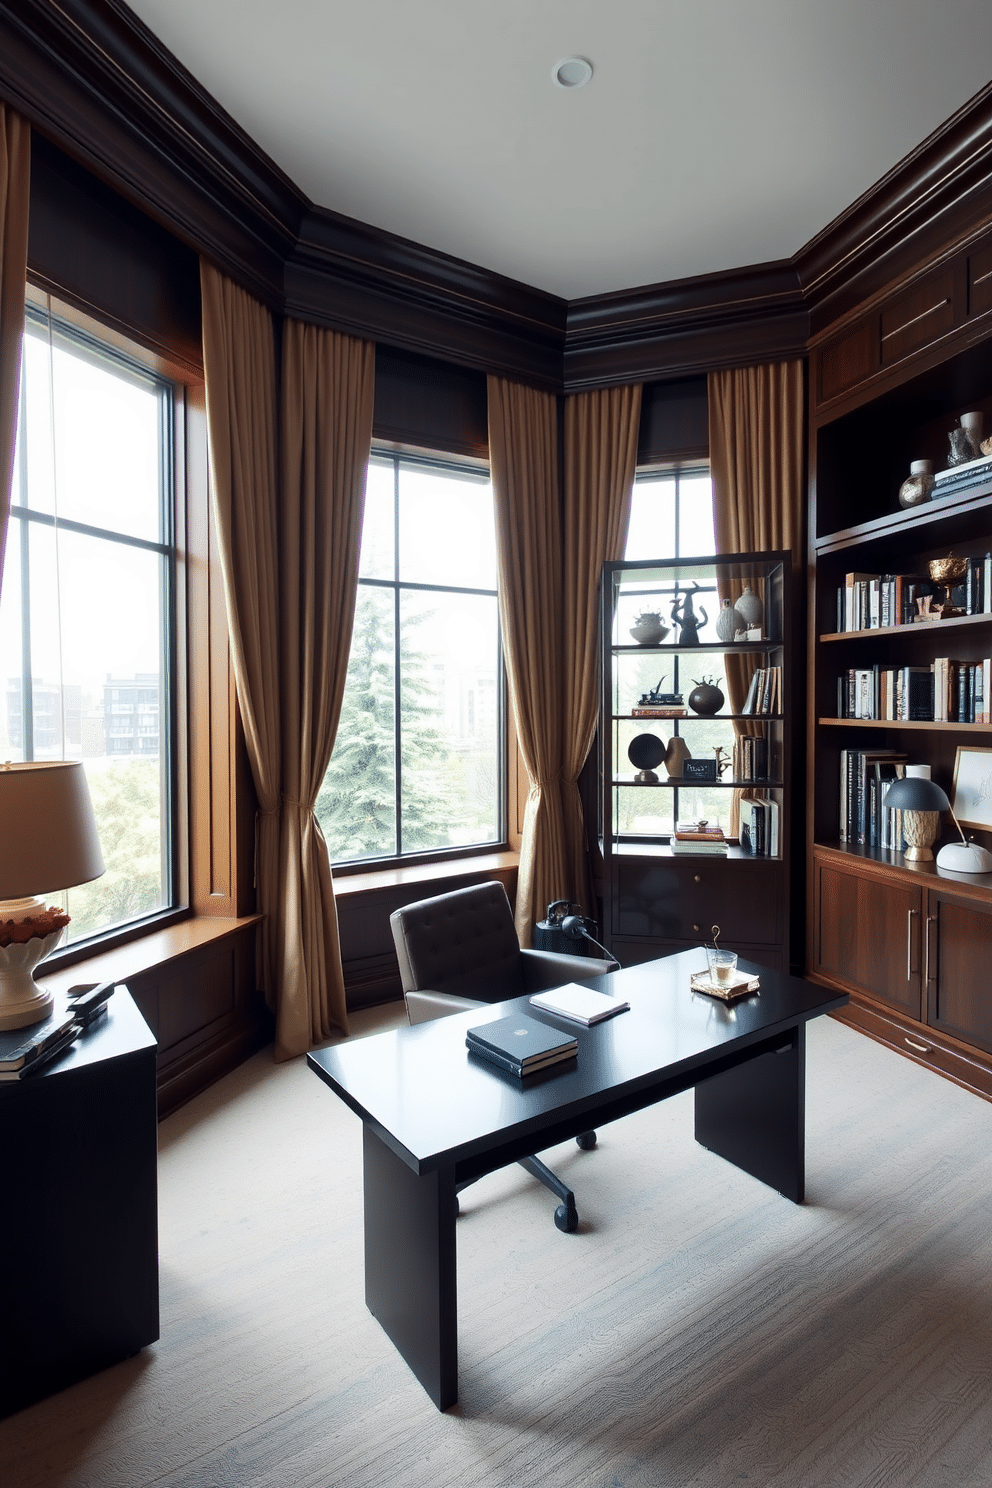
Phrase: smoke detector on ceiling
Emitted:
{"points": [[572, 72]]}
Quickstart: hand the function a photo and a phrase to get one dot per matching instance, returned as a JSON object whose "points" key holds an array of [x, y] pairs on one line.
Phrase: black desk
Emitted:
{"points": [[79, 1233], [435, 1116]]}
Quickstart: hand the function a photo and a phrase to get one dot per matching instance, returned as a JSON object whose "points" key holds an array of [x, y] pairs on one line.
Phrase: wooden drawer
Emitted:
{"points": [[980, 280], [679, 900], [848, 361]]}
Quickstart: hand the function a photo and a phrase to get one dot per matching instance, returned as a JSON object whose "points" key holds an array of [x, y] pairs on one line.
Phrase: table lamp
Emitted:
{"points": [[48, 841], [921, 800]]}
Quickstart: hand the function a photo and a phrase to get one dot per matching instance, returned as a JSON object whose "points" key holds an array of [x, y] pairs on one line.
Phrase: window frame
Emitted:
{"points": [[105, 343], [478, 470], [680, 470]]}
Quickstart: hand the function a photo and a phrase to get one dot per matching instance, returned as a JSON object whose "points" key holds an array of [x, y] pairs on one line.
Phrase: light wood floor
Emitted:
{"points": [[699, 1331]]}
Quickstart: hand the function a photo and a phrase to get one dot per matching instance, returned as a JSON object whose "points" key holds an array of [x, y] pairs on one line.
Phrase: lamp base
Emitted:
{"points": [[965, 857], [22, 1001]]}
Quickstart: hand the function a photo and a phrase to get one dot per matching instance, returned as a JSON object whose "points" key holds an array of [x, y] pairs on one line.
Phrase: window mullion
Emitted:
{"points": [[397, 678]]}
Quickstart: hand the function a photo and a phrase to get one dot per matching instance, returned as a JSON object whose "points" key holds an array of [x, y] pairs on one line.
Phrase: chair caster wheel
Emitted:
{"points": [[567, 1217], [586, 1141]]}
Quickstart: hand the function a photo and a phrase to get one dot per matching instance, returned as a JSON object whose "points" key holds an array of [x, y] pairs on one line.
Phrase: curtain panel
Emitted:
{"points": [[15, 186], [240, 373], [523, 453], [756, 465], [328, 387], [600, 457], [289, 512]]}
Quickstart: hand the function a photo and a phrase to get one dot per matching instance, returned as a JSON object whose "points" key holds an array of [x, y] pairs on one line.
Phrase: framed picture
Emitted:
{"points": [[698, 769], [972, 799]]}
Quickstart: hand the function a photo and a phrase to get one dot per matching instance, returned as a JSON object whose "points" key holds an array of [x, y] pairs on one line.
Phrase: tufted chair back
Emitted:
{"points": [[462, 943]]}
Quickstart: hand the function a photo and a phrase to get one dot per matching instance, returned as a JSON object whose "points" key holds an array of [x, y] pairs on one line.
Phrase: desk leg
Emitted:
{"points": [[410, 1265], [755, 1116]]}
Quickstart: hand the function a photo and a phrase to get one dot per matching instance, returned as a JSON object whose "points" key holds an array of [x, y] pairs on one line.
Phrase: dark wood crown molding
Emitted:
{"points": [[935, 196], [96, 82], [361, 279], [92, 78], [734, 318]]}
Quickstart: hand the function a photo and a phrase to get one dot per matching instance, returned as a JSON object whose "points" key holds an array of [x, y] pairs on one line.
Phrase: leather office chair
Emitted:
{"points": [[459, 951]]}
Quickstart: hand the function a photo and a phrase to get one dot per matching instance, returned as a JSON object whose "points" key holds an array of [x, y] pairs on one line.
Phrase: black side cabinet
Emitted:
{"points": [[79, 1217]]}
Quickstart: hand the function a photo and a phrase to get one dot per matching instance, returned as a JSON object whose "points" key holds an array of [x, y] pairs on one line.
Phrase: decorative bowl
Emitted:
{"points": [[948, 570]]}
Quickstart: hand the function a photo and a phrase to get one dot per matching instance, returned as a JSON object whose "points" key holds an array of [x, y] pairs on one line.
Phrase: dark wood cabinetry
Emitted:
{"points": [[657, 902], [79, 1243], [911, 943]]}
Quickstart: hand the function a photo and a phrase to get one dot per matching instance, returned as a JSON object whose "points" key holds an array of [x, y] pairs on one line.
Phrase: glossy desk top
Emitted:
{"points": [[433, 1102]]}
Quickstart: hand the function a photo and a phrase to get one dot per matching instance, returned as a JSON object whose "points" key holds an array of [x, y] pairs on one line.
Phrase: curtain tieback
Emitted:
{"points": [[284, 800]]}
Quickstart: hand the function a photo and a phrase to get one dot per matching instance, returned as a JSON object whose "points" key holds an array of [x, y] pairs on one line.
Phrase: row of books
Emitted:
{"points": [[874, 601], [865, 776], [765, 692], [750, 758], [946, 691], [759, 828]]}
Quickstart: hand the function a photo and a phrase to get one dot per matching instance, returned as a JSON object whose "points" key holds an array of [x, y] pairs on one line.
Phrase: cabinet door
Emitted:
{"points": [[869, 934], [958, 967]]}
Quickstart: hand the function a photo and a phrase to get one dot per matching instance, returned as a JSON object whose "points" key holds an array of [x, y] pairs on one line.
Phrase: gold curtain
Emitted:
{"points": [[523, 446], [327, 397], [600, 456], [756, 464], [15, 185], [240, 371]]}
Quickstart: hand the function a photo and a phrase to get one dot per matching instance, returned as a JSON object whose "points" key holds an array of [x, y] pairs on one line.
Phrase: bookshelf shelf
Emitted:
{"points": [[926, 724], [930, 627], [628, 783]]}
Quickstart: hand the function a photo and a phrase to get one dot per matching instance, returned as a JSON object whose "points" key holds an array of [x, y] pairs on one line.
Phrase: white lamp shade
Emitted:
{"points": [[48, 836]]}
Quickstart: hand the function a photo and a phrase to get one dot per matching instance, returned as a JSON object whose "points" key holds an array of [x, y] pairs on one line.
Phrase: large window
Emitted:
{"points": [[86, 607], [417, 765]]}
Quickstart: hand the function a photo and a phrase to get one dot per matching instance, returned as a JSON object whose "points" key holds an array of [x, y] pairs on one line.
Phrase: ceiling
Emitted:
{"points": [[714, 133]]}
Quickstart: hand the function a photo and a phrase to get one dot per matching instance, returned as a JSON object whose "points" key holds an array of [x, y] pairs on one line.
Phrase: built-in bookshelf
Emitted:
{"points": [[899, 674]]}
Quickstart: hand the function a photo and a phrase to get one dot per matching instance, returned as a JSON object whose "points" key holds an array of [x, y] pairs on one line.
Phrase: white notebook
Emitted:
{"points": [[578, 1003]]}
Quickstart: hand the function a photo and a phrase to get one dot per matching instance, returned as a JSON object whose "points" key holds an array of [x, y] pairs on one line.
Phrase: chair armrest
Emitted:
{"points": [[425, 1006], [546, 969]]}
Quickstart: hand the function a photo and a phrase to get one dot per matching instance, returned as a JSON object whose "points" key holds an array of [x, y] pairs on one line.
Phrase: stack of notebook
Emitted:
{"points": [[26, 1051], [520, 1045]]}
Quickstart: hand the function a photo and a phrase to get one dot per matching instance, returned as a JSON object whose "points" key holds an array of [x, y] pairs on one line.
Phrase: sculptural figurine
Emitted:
{"points": [[684, 616]]}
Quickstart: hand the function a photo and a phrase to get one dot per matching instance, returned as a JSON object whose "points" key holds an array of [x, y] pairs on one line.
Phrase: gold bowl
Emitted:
{"points": [[948, 570]]}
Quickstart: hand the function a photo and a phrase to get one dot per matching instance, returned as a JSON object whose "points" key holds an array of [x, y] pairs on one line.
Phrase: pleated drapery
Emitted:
{"points": [[600, 457], [15, 186], [549, 565], [756, 464], [289, 527], [328, 386], [523, 455], [240, 371]]}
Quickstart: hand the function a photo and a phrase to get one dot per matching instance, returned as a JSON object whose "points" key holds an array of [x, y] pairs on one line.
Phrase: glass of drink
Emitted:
{"points": [[723, 965]]}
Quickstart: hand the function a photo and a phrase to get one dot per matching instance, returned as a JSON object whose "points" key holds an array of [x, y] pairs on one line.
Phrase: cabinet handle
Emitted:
{"points": [[920, 1048], [909, 944], [931, 920], [697, 878], [696, 928]]}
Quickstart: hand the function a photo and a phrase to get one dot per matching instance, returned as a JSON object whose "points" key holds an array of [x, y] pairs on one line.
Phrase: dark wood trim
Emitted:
{"points": [[731, 319], [92, 78], [367, 282], [937, 195]]}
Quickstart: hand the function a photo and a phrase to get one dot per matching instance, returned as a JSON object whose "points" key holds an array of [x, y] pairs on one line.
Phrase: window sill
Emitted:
{"points": [[146, 952], [350, 884]]}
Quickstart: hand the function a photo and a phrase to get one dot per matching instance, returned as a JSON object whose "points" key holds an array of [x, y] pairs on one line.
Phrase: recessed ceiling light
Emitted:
{"points": [[572, 72]]}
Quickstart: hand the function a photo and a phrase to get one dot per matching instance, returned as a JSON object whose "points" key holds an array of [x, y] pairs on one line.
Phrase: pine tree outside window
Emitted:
{"points": [[417, 768]]}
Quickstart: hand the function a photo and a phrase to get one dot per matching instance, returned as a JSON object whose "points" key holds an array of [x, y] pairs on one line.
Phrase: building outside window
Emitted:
{"points": [[417, 766], [86, 608]]}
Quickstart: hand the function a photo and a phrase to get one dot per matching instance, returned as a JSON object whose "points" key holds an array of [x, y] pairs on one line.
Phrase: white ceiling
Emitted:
{"points": [[714, 133]]}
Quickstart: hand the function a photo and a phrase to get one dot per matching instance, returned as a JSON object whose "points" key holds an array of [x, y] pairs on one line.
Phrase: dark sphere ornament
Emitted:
{"points": [[706, 698], [646, 751]]}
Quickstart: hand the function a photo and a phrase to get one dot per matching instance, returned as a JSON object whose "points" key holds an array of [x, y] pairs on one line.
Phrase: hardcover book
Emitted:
{"points": [[525, 1043]]}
